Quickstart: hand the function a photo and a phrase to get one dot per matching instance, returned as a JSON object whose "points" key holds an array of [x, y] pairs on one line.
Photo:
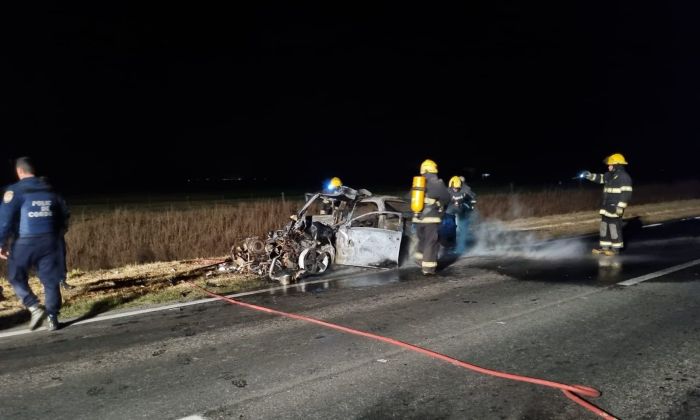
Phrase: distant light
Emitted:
{"points": [[485, 175]]}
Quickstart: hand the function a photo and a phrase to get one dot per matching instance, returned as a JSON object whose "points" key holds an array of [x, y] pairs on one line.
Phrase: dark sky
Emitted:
{"points": [[145, 96]]}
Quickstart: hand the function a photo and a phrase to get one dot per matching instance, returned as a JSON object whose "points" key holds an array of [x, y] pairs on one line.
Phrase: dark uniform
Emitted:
{"points": [[617, 193], [462, 201], [428, 222], [460, 208], [35, 217]]}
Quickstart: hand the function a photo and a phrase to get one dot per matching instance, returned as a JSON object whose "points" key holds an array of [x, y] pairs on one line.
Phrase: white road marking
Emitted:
{"points": [[301, 286], [660, 273], [576, 223], [551, 225], [193, 417], [293, 287]]}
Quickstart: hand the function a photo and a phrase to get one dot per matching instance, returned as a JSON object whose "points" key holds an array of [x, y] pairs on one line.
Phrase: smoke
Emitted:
{"points": [[494, 239], [475, 237], [409, 244]]}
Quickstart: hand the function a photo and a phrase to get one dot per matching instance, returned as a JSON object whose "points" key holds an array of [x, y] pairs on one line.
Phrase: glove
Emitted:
{"points": [[619, 211], [587, 175]]}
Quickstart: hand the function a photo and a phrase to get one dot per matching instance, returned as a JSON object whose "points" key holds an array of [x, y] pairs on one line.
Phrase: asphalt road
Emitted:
{"points": [[550, 311]]}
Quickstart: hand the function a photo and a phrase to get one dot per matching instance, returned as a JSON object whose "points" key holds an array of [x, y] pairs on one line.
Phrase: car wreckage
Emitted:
{"points": [[346, 227]]}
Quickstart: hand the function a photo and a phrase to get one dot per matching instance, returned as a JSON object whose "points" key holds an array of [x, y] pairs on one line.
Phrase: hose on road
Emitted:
{"points": [[573, 392]]}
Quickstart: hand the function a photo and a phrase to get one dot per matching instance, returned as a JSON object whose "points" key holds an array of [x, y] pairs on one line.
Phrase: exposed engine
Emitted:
{"points": [[304, 246]]}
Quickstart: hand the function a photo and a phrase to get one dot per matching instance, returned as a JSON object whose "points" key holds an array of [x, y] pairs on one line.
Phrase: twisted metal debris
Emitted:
{"points": [[304, 246]]}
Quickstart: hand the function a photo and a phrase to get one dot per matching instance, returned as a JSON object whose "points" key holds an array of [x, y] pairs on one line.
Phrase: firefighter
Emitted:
{"points": [[460, 209], [36, 217], [617, 192], [334, 185], [437, 197]]}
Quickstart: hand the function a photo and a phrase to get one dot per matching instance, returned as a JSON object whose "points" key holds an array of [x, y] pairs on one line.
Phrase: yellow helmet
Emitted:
{"points": [[428, 166], [455, 182], [335, 183], [615, 159]]}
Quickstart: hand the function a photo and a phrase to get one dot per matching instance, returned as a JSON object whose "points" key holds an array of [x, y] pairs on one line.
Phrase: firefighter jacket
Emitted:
{"points": [[437, 197], [461, 201], [30, 208], [617, 191]]}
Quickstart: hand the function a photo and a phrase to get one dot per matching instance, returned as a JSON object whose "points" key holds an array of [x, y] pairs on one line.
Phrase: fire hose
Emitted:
{"points": [[573, 392]]}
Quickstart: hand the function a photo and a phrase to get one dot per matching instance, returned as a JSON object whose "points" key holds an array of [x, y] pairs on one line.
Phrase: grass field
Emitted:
{"points": [[106, 236], [141, 255]]}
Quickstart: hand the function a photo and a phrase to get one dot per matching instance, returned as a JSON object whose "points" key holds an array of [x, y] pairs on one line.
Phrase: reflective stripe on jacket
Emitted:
{"points": [[617, 191]]}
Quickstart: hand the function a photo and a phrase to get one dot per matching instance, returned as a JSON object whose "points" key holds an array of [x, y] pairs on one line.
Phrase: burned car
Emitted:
{"points": [[347, 228]]}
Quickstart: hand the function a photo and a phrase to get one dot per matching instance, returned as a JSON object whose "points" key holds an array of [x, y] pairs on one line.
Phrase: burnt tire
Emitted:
{"points": [[314, 262]]}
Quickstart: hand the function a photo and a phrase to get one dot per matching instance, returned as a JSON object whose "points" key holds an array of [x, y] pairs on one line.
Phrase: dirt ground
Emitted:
{"points": [[167, 282]]}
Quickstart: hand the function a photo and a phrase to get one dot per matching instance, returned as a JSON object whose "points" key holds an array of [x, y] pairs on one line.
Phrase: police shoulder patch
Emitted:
{"points": [[8, 196]]}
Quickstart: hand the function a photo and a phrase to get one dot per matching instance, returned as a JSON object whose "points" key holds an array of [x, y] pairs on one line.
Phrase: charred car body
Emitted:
{"points": [[347, 227]]}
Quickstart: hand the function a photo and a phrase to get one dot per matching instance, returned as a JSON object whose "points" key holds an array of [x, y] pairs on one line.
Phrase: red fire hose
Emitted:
{"points": [[573, 392]]}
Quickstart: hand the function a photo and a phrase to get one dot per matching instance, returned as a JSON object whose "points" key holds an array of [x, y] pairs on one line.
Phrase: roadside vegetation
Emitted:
{"points": [[101, 237], [140, 255]]}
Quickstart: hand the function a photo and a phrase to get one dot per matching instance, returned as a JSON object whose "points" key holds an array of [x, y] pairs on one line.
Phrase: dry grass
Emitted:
{"points": [[118, 237], [508, 207], [140, 285], [130, 238], [577, 223], [102, 238]]}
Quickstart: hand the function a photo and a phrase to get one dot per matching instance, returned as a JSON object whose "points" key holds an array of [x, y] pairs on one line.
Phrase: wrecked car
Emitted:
{"points": [[347, 227]]}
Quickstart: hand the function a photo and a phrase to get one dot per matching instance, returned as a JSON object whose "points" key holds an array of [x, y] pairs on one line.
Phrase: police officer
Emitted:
{"points": [[617, 193], [428, 221], [35, 217], [62, 238]]}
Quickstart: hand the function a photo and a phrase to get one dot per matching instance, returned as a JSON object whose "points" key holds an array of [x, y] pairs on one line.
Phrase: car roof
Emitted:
{"points": [[382, 198]]}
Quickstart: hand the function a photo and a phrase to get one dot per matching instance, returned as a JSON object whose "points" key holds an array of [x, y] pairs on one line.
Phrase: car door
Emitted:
{"points": [[371, 239]]}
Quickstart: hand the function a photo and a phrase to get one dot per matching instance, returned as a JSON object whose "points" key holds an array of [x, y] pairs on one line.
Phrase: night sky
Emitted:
{"points": [[141, 98]]}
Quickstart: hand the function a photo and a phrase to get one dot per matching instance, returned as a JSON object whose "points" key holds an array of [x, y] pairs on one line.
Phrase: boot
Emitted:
{"points": [[38, 316], [428, 271], [600, 251], [53, 323], [66, 286], [418, 258]]}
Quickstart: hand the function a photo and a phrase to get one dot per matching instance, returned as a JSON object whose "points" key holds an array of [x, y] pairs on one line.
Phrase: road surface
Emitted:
{"points": [[550, 311]]}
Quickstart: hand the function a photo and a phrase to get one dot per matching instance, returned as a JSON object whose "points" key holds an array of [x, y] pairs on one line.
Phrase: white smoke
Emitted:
{"points": [[494, 239], [475, 237], [407, 258]]}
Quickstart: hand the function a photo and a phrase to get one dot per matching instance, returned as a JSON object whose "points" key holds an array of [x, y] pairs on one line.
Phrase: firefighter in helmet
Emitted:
{"points": [[334, 184], [617, 192], [336, 197], [459, 210], [428, 220]]}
